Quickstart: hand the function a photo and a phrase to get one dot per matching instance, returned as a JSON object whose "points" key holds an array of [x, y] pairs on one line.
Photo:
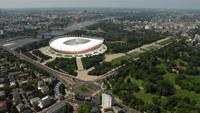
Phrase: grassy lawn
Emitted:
{"points": [[132, 56], [83, 88], [137, 82], [170, 77], [153, 47], [146, 97], [164, 42], [135, 54], [117, 61]]}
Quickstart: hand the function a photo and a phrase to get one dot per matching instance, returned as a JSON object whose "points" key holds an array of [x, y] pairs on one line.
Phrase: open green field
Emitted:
{"points": [[152, 48], [146, 97], [164, 42], [170, 77], [86, 89], [135, 81], [136, 54], [117, 61], [161, 76]]}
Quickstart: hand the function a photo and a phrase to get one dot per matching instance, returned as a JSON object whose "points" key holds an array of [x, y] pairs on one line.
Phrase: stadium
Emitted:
{"points": [[78, 45]]}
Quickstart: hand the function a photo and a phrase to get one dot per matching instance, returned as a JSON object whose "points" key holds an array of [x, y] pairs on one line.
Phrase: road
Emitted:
{"points": [[66, 79], [128, 109]]}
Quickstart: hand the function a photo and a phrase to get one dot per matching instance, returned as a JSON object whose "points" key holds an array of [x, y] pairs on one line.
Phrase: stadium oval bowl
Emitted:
{"points": [[75, 45]]}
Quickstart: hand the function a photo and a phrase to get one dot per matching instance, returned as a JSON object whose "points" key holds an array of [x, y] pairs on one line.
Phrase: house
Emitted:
{"points": [[2, 80], [2, 74], [45, 89], [44, 102], [3, 107], [37, 74], [40, 84], [49, 80], [20, 107], [2, 95], [12, 84], [23, 75], [23, 108], [22, 82], [22, 65], [2, 86], [59, 96], [29, 94], [16, 97], [14, 73], [34, 101]]}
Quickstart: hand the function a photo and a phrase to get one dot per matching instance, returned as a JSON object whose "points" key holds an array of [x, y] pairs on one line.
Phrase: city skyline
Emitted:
{"points": [[180, 4]]}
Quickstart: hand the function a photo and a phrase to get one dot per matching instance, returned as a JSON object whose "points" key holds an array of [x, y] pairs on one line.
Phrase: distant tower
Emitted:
{"points": [[106, 100]]}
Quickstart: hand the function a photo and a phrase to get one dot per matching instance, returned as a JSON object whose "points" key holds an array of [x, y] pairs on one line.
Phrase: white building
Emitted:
{"points": [[106, 100], [1, 32], [147, 27], [77, 45], [34, 101], [44, 102]]}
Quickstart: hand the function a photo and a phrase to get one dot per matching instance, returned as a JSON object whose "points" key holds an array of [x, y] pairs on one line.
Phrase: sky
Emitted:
{"points": [[183, 4]]}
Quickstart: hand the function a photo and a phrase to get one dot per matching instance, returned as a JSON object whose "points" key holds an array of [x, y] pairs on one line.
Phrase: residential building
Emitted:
{"points": [[44, 102], [106, 100]]}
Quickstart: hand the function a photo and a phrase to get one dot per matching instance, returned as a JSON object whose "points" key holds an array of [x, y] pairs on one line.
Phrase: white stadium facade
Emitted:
{"points": [[78, 46]]}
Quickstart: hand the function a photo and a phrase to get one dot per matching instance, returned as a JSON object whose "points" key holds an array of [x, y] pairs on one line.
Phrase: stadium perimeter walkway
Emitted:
{"points": [[79, 64]]}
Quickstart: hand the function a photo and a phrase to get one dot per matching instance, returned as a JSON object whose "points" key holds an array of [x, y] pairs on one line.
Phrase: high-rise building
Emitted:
{"points": [[106, 100]]}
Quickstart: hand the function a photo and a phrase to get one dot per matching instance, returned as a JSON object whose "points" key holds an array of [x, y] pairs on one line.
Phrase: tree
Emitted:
{"points": [[153, 108], [165, 88], [150, 87], [84, 108], [68, 108], [192, 71], [157, 100]]}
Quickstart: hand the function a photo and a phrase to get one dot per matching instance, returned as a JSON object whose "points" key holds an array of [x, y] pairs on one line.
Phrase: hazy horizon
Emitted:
{"points": [[179, 4]]}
